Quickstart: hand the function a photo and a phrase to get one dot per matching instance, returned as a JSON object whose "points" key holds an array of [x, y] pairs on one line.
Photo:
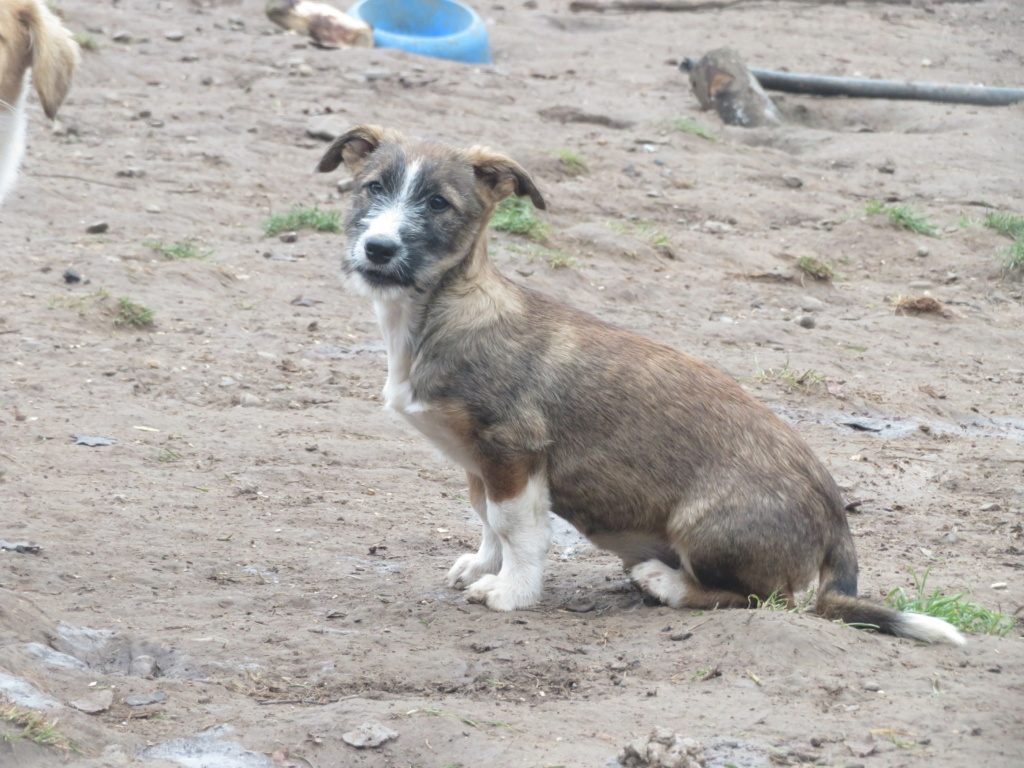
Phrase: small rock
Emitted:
{"points": [[378, 74], [991, 507], [248, 400], [677, 636], [870, 685], [921, 285], [143, 666], [346, 185], [131, 173], [143, 699], [97, 228], [663, 749], [71, 276], [369, 736], [122, 37], [922, 251], [175, 35], [289, 237], [951, 538], [153, 208], [326, 127], [811, 304], [794, 182], [94, 703], [1000, 585], [806, 321]]}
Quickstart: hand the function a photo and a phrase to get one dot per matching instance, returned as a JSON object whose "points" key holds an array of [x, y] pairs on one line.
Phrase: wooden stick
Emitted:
{"points": [[679, 6]]}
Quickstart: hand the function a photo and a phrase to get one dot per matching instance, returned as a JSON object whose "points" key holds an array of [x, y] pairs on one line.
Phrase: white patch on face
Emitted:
{"points": [[386, 218]]}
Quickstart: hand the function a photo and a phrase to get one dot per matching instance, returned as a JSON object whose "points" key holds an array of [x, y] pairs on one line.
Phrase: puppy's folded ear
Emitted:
{"points": [[54, 56], [502, 176], [354, 146]]}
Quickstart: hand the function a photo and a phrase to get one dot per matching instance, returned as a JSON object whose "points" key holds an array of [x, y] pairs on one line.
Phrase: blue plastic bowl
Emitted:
{"points": [[443, 29]]}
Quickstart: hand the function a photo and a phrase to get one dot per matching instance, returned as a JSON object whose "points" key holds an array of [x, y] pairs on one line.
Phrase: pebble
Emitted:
{"points": [[990, 507], [122, 37], [870, 685], [71, 276], [143, 699], [175, 35], [249, 400], [806, 321], [226, 381], [677, 636], [369, 736], [922, 251], [98, 701], [289, 237], [1000, 585], [795, 182], [97, 228], [131, 173], [951, 538], [153, 208], [378, 74], [921, 285], [811, 304]]}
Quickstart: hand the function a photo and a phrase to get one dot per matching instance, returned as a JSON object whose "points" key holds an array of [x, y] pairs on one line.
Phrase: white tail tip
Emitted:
{"points": [[929, 629]]}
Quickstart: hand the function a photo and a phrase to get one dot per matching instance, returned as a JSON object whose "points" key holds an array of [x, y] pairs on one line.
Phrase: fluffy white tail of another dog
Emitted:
{"points": [[31, 39]]}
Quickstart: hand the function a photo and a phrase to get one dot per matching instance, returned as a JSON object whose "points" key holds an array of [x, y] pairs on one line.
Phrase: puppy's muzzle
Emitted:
{"points": [[380, 250]]}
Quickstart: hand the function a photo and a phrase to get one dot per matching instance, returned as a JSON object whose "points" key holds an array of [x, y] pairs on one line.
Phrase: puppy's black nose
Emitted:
{"points": [[380, 250]]}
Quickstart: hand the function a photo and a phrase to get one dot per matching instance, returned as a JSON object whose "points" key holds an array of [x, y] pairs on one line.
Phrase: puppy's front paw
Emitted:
{"points": [[500, 593], [471, 567]]}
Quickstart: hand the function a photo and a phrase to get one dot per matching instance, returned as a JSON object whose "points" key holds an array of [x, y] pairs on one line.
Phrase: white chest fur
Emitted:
{"points": [[12, 142], [396, 319]]}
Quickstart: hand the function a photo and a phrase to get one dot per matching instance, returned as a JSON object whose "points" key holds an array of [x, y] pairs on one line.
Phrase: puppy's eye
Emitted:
{"points": [[437, 203], [374, 188]]}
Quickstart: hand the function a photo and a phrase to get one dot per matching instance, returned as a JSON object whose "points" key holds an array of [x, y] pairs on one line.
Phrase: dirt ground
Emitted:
{"points": [[260, 557]]}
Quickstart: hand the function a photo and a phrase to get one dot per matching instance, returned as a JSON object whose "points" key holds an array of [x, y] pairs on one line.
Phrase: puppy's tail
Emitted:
{"points": [[837, 599]]}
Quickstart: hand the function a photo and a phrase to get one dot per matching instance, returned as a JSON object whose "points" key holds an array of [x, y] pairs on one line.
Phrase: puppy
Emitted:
{"points": [[31, 37], [709, 499]]}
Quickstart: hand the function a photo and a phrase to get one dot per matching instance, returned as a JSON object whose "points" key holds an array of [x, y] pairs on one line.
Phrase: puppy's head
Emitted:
{"points": [[32, 37], [420, 208]]}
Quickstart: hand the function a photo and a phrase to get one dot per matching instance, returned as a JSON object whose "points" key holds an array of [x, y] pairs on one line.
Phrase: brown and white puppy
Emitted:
{"points": [[708, 497], [31, 38]]}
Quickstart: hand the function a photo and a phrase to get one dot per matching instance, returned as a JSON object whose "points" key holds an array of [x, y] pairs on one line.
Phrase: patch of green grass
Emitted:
{"points": [[34, 727], [1012, 226], [133, 315], [904, 216], [303, 217], [792, 378], [815, 268], [86, 41], [1008, 224], [573, 161], [516, 216], [183, 249], [686, 125], [964, 615]]}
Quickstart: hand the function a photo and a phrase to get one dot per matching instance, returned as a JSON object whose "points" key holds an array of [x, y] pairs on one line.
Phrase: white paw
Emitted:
{"points": [[471, 567], [659, 581], [500, 593]]}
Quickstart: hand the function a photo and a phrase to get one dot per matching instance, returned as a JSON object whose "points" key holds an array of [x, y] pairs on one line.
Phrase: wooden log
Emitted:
{"points": [[819, 85], [680, 6]]}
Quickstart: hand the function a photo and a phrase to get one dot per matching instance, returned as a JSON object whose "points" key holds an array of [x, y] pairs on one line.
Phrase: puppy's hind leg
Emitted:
{"points": [[677, 589], [473, 565], [520, 523]]}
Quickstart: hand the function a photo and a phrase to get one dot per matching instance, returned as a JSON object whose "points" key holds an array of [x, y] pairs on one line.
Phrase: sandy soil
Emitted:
{"points": [[265, 546]]}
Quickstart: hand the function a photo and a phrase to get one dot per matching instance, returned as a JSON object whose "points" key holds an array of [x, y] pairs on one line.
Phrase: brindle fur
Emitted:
{"points": [[646, 450]]}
